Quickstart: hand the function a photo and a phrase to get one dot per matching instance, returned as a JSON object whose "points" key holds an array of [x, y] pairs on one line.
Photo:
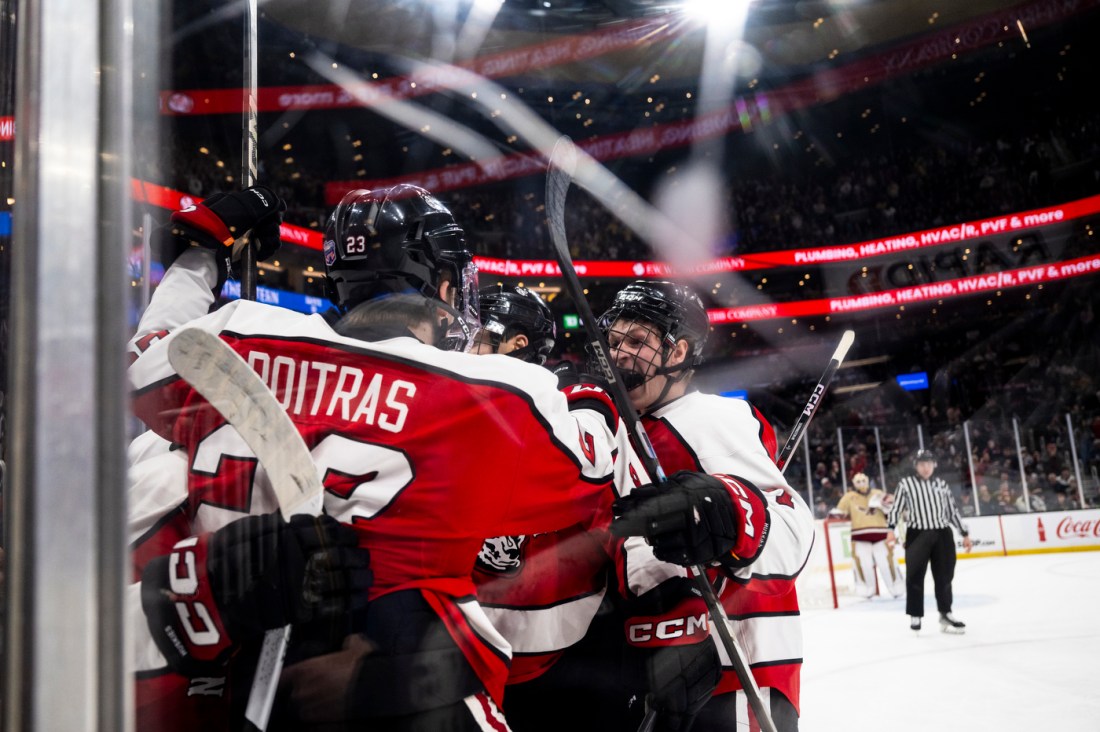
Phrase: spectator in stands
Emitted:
{"points": [[1005, 501], [1032, 503], [1063, 502], [986, 505], [1052, 460], [1063, 483], [966, 504]]}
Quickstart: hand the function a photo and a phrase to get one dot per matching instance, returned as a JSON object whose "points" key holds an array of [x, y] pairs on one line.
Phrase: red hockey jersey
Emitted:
{"points": [[425, 452]]}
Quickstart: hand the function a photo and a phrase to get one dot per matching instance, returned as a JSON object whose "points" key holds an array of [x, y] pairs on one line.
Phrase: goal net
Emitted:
{"points": [[827, 580]]}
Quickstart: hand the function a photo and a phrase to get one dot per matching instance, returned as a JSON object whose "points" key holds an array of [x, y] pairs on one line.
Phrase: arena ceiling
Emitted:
{"points": [[785, 35]]}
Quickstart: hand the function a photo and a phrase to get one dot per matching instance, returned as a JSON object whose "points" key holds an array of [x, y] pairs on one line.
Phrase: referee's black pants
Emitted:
{"points": [[924, 547]]}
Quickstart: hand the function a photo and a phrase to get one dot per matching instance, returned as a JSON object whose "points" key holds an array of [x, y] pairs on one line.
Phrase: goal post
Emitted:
{"points": [[827, 577], [828, 580]]}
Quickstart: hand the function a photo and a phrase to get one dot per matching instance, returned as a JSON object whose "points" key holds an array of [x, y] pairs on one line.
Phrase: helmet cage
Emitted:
{"points": [[642, 363], [671, 312]]}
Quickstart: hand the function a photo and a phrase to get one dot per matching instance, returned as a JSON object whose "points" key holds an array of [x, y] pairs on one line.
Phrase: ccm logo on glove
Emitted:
{"points": [[653, 632], [183, 582]]}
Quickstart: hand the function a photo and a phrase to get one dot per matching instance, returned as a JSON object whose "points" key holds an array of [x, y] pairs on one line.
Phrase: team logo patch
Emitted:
{"points": [[330, 252], [502, 554]]}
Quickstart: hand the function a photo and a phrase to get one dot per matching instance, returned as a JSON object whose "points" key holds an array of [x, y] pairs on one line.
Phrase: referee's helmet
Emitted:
{"points": [[925, 455]]}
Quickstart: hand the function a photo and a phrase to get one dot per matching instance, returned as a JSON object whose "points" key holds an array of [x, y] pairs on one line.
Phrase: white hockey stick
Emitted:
{"points": [[232, 387], [563, 161], [803, 421]]}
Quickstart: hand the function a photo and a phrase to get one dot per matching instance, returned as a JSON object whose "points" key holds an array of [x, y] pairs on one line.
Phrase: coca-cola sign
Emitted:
{"points": [[1070, 529]]}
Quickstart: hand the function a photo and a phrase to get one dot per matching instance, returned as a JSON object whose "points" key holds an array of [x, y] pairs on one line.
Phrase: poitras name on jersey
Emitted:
{"points": [[319, 388]]}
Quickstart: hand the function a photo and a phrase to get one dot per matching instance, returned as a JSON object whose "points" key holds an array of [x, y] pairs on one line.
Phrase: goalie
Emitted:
{"points": [[873, 541]]}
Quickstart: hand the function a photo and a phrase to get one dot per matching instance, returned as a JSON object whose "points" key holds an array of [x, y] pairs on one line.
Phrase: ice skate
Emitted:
{"points": [[914, 623], [948, 624]]}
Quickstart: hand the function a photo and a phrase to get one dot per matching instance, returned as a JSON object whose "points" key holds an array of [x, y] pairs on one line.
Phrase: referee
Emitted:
{"points": [[930, 512]]}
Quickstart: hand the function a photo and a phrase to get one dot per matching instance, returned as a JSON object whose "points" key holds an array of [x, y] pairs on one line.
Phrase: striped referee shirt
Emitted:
{"points": [[929, 504]]}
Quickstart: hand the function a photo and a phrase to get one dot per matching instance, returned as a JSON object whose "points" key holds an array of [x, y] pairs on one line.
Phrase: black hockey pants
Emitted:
{"points": [[924, 547]]}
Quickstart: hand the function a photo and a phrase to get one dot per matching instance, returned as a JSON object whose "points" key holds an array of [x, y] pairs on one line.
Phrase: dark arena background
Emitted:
{"points": [[925, 173]]}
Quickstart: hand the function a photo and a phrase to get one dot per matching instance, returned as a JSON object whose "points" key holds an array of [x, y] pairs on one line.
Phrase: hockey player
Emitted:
{"points": [[872, 540], [742, 519], [515, 322], [398, 429], [543, 591], [209, 578], [519, 577]]}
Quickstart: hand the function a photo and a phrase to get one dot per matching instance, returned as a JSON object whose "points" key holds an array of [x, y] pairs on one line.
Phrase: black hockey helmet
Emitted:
{"points": [[675, 310], [923, 456], [399, 239], [506, 311]]}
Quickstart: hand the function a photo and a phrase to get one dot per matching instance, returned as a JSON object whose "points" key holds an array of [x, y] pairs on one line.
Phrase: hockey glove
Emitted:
{"points": [[219, 220], [682, 663], [215, 590], [692, 518], [223, 218]]}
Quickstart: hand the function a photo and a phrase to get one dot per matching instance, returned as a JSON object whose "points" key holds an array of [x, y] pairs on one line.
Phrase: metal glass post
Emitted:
{"points": [[881, 465], [65, 662], [1020, 459], [970, 463], [1076, 465]]}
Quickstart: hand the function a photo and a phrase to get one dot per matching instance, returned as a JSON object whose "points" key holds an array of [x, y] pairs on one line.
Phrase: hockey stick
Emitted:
{"points": [[563, 161], [803, 421], [232, 387], [250, 147]]}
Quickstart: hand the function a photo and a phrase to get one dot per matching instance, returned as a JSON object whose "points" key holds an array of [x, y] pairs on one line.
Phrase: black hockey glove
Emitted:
{"points": [[215, 590], [689, 519], [221, 219], [671, 624], [681, 679]]}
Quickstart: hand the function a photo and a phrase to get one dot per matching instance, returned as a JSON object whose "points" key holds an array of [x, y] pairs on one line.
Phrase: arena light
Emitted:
{"points": [[716, 11]]}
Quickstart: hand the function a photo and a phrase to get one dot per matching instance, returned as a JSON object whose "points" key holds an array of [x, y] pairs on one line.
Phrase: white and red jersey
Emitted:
{"points": [[542, 591], [425, 452], [184, 293], [160, 514], [722, 436]]}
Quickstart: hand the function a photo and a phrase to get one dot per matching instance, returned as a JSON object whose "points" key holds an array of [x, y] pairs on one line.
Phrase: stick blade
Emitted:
{"points": [[233, 388]]}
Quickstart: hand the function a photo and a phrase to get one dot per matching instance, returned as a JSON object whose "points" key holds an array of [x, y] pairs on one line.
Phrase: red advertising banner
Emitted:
{"points": [[1087, 265], [1000, 225], [974, 284], [561, 50], [7, 129]]}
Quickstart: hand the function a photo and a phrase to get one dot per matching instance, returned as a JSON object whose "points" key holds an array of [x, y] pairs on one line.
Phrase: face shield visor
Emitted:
{"points": [[461, 332]]}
